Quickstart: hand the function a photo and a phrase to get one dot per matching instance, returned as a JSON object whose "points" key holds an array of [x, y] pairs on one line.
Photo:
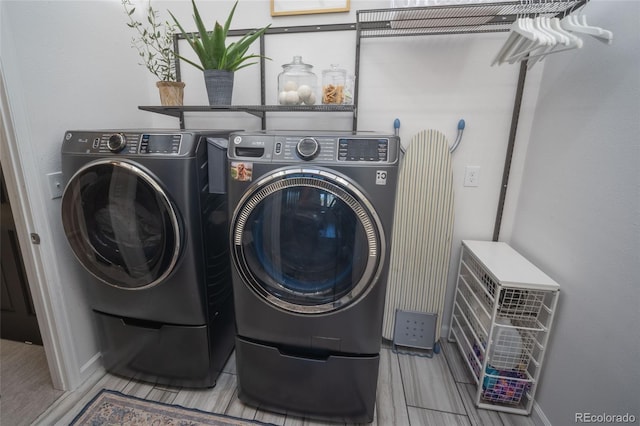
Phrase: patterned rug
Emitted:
{"points": [[115, 408]]}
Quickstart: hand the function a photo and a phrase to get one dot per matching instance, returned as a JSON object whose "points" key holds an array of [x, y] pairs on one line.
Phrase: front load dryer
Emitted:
{"points": [[140, 217], [310, 237]]}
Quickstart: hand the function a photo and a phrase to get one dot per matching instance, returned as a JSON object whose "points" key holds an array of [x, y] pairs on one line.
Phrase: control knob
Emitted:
{"points": [[308, 149], [116, 142]]}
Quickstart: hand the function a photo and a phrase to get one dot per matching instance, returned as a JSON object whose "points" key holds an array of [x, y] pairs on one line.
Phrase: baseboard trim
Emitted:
{"points": [[70, 398], [90, 367], [538, 416]]}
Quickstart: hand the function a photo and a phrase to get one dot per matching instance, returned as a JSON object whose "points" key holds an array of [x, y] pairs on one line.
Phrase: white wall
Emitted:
{"points": [[69, 65], [578, 217]]}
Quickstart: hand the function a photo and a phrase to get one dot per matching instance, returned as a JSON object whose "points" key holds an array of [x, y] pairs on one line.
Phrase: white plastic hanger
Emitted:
{"points": [[532, 39], [554, 39], [574, 41], [531, 35], [544, 40], [521, 37], [560, 35], [566, 39], [528, 35], [579, 25], [563, 41]]}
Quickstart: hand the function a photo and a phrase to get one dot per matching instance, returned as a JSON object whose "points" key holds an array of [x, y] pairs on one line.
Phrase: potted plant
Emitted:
{"points": [[219, 61], [154, 42]]}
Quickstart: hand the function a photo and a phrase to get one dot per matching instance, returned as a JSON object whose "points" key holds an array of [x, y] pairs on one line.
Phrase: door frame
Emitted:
{"points": [[52, 320]]}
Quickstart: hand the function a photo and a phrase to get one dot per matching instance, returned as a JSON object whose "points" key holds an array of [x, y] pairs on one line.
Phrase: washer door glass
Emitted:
{"points": [[120, 224], [307, 242]]}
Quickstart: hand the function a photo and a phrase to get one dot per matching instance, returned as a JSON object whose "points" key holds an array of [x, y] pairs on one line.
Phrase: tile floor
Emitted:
{"points": [[412, 390]]}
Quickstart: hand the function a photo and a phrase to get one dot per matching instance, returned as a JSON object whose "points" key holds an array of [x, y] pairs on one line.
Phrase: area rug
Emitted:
{"points": [[115, 408]]}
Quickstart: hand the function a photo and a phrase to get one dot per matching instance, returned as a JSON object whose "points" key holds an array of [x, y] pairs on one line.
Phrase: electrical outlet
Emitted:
{"points": [[472, 176], [55, 185]]}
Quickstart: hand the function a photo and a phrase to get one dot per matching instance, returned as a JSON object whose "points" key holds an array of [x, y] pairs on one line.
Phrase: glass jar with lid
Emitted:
{"points": [[297, 84], [333, 84]]}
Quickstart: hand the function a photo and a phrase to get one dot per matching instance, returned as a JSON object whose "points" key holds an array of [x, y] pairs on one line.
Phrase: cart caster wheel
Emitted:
{"points": [[436, 348]]}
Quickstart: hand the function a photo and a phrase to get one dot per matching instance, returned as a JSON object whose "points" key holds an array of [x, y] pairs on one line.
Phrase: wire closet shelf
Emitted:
{"points": [[457, 18]]}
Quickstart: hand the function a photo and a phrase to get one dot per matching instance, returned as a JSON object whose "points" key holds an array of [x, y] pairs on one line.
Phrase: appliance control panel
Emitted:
{"points": [[319, 147], [363, 149], [124, 142]]}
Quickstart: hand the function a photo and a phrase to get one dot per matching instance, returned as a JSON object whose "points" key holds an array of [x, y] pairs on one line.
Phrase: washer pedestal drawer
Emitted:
{"points": [[337, 387], [154, 352]]}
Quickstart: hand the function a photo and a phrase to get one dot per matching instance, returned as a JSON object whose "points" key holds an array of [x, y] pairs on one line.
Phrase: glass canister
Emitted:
{"points": [[297, 84], [333, 84], [349, 89]]}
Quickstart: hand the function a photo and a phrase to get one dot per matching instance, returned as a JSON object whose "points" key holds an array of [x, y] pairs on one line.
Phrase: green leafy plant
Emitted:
{"points": [[154, 42], [211, 48]]}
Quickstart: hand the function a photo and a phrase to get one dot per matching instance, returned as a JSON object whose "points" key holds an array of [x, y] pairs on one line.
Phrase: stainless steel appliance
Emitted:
{"points": [[140, 218], [311, 218]]}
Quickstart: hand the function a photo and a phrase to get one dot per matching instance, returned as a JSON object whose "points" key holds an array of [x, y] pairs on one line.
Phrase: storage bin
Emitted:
{"points": [[502, 315]]}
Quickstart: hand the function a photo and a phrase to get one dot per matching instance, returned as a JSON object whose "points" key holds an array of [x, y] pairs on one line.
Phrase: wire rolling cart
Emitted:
{"points": [[502, 314]]}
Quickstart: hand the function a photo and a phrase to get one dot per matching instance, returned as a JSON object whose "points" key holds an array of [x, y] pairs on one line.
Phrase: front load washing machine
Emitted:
{"points": [[142, 219], [310, 237]]}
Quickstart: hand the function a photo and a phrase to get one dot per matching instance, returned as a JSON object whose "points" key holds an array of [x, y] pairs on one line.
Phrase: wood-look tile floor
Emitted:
{"points": [[412, 390]]}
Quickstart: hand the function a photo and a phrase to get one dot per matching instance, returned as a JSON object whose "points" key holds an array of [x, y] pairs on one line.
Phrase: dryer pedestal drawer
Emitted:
{"points": [[154, 352], [337, 387]]}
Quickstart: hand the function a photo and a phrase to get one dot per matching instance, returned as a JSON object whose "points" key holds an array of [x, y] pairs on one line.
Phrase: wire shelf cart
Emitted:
{"points": [[502, 314]]}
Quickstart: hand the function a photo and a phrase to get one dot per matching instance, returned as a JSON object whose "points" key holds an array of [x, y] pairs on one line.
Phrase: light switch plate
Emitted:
{"points": [[55, 185]]}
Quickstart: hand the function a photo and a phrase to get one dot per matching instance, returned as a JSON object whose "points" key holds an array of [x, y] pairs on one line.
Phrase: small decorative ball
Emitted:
{"points": [[282, 98], [292, 97], [304, 91], [290, 85], [311, 99]]}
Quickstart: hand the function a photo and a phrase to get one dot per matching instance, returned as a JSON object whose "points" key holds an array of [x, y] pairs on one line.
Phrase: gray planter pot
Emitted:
{"points": [[219, 84]]}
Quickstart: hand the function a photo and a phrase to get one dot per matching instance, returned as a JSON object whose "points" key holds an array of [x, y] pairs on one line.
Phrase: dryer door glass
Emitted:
{"points": [[307, 243], [120, 224]]}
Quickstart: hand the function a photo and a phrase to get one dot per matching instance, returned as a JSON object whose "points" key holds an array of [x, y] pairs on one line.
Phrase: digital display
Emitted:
{"points": [[160, 144], [363, 149]]}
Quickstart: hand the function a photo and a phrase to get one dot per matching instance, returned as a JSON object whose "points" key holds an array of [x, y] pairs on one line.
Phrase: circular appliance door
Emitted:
{"points": [[120, 224], [307, 241]]}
